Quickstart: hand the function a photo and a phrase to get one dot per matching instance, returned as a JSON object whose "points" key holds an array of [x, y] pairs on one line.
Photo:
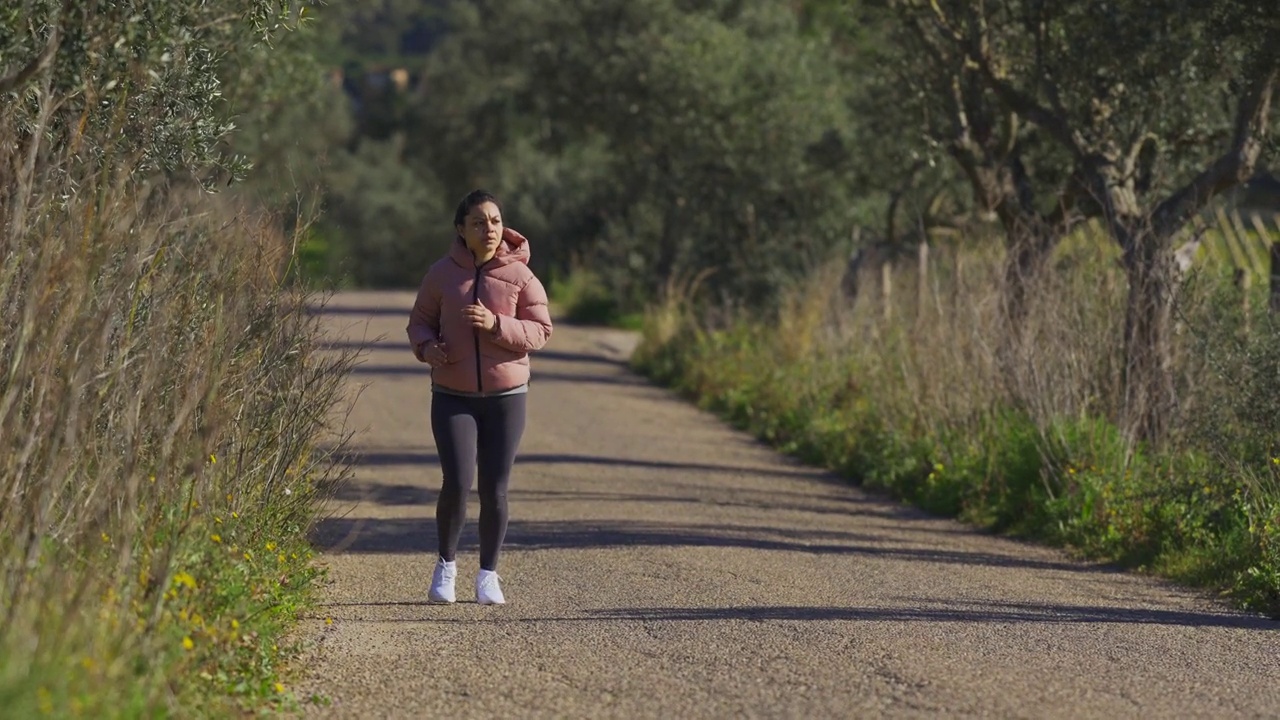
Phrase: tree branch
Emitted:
{"points": [[1253, 116], [1055, 123], [19, 78], [1073, 205]]}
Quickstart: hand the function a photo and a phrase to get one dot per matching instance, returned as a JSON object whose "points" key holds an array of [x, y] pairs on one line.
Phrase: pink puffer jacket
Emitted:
{"points": [[481, 361]]}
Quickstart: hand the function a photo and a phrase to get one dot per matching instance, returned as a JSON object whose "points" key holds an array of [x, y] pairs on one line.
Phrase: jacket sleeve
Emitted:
{"points": [[530, 329], [424, 319]]}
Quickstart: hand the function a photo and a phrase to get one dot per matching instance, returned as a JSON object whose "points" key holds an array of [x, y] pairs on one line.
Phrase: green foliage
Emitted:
{"points": [[648, 139], [135, 86], [372, 190], [1235, 410], [580, 296]]}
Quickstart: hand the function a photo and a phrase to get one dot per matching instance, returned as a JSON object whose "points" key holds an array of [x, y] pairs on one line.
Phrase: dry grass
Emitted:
{"points": [[161, 391]]}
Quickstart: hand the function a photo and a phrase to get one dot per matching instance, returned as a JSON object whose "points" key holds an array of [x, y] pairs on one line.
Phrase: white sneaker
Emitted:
{"points": [[488, 591], [442, 582]]}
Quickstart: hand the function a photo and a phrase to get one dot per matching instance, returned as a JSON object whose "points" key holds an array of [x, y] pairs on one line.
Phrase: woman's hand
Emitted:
{"points": [[480, 317], [434, 353]]}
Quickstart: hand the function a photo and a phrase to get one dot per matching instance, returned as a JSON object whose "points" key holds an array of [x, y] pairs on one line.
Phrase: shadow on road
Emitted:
{"points": [[384, 458], [1006, 612], [569, 357], [360, 310], [425, 496], [366, 345], [403, 345], [409, 535], [381, 494], [539, 376], [911, 611]]}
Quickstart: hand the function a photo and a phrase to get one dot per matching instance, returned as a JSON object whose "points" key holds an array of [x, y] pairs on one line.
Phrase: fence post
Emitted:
{"points": [[1241, 277], [1275, 277], [922, 277], [886, 289]]}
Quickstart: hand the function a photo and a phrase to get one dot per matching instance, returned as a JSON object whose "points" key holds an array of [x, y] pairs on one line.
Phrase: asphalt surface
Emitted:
{"points": [[660, 564]]}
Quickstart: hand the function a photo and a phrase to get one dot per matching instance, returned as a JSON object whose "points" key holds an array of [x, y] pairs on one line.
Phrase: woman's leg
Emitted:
{"points": [[453, 424], [501, 426]]}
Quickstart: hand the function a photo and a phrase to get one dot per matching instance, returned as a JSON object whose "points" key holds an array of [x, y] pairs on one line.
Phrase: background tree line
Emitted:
{"points": [[649, 140]]}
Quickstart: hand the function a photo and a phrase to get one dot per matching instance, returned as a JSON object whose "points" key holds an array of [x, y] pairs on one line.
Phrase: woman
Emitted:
{"points": [[479, 313]]}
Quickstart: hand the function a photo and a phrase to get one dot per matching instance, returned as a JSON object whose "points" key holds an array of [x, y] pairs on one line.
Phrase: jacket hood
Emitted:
{"points": [[513, 248]]}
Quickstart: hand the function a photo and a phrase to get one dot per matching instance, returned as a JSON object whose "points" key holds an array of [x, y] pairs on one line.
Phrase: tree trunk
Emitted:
{"points": [[1150, 397], [1027, 251], [1026, 256]]}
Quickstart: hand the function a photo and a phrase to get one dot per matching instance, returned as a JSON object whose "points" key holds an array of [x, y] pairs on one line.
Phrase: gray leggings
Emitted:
{"points": [[471, 432]]}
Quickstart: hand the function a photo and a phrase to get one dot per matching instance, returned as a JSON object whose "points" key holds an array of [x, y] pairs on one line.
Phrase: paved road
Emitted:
{"points": [[661, 565]]}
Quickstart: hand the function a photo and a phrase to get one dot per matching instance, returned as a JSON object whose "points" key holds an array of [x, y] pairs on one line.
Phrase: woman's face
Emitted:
{"points": [[482, 229]]}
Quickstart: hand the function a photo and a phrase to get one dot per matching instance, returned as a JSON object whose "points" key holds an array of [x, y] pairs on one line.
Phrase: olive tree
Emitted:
{"points": [[1156, 109], [705, 124], [109, 92]]}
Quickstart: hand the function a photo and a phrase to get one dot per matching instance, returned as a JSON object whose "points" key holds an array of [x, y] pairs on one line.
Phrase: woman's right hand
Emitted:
{"points": [[434, 353]]}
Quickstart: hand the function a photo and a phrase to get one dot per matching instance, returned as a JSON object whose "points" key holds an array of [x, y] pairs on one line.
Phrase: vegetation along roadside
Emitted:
{"points": [[162, 385]]}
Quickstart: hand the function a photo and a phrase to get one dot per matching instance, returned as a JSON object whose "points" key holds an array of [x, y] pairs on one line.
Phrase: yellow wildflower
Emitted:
{"points": [[270, 546], [280, 688], [188, 643], [45, 700], [213, 459], [184, 578], [216, 537]]}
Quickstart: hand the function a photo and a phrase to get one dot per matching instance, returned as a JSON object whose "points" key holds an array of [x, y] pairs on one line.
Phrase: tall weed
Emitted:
{"points": [[161, 392]]}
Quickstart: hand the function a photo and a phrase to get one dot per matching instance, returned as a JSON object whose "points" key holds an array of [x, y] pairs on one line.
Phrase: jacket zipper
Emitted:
{"points": [[475, 300]]}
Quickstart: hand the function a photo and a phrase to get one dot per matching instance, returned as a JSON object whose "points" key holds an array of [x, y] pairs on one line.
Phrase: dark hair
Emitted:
{"points": [[473, 198]]}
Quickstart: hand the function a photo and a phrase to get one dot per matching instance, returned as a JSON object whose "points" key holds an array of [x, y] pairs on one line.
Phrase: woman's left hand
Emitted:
{"points": [[479, 316]]}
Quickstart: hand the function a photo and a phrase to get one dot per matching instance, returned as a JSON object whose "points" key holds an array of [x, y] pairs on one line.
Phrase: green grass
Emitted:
{"points": [[581, 298]]}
